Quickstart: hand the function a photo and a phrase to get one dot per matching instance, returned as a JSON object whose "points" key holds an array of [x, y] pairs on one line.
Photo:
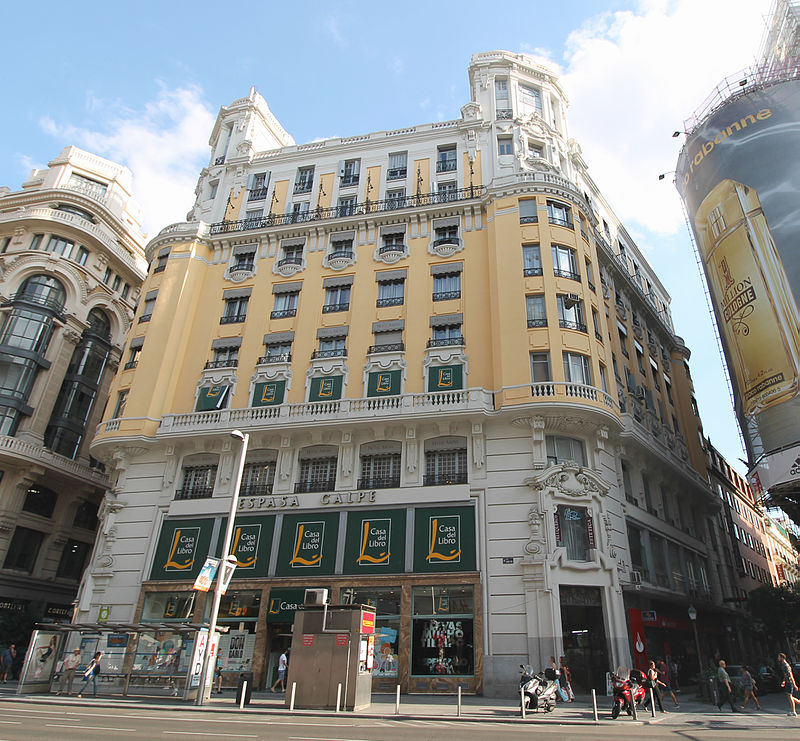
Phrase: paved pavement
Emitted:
{"points": [[692, 712]]}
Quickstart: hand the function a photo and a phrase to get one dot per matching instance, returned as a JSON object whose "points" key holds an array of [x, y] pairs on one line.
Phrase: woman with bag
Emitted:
{"points": [[91, 674], [651, 683]]}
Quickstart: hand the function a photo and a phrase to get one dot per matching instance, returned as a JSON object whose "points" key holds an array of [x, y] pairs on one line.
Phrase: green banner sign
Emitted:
{"points": [[182, 549], [251, 543], [328, 388], [384, 383], [445, 378], [283, 603], [375, 542], [269, 393], [211, 397], [444, 539], [308, 544]]}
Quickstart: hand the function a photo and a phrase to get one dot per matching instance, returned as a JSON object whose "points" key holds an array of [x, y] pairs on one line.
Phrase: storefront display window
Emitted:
{"points": [[442, 631], [238, 610], [386, 602], [163, 606]]}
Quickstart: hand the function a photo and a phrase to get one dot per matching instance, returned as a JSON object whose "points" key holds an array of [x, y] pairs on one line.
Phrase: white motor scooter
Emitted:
{"points": [[537, 691]]}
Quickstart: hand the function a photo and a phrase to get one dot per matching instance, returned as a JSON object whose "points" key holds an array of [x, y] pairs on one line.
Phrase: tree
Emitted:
{"points": [[776, 610]]}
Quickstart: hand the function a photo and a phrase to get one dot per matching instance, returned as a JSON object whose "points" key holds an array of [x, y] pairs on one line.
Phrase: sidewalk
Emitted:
{"points": [[445, 708]]}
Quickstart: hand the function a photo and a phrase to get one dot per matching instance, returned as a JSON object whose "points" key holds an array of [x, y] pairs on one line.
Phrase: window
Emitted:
{"points": [[347, 206], [6, 242], [446, 192], [107, 276], [224, 357], [391, 292], [292, 255], [147, 307], [565, 263], [277, 352], [316, 473], [341, 248], [445, 235], [391, 341], [244, 260], [119, 407], [285, 305], [560, 449], [23, 550], [60, 246], [596, 324], [398, 166], [212, 190], [531, 260], [258, 478], [576, 369], [527, 211], [73, 559], [535, 150], [445, 467], [380, 471], [349, 172], [446, 286], [198, 482], [530, 100], [501, 89], [83, 256], [536, 311], [85, 185], [395, 198], [133, 355], [304, 180], [570, 312], [540, 367], [559, 214], [86, 516], [123, 294], [75, 211], [116, 283], [300, 212], [161, 262], [573, 531], [589, 276], [331, 347], [257, 186], [604, 379], [36, 241], [505, 145], [235, 310], [446, 159], [337, 298], [393, 242], [40, 501], [623, 341], [446, 335]]}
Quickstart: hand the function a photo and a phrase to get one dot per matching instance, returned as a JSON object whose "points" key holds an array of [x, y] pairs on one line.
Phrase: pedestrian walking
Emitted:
{"points": [[6, 660], [565, 680], [652, 683], [71, 663], [283, 665], [788, 684], [556, 675], [749, 687], [91, 674], [665, 687], [725, 688]]}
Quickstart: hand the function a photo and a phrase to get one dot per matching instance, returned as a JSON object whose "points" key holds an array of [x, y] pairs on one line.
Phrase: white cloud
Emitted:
{"points": [[634, 76], [165, 144], [332, 26]]}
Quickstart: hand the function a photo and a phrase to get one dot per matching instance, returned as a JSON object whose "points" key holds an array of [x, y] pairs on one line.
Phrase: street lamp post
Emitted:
{"points": [[693, 617], [227, 556]]}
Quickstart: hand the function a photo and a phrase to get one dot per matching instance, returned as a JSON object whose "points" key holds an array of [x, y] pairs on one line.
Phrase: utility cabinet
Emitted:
{"points": [[332, 645]]}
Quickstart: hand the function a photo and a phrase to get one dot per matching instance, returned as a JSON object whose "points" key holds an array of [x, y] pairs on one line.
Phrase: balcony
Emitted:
{"points": [[348, 180], [571, 275], [315, 485], [449, 239], [446, 342], [130, 365], [332, 308], [256, 490], [392, 301], [396, 173], [567, 324], [559, 221], [337, 352], [283, 313], [379, 482], [291, 260], [446, 295], [303, 187], [216, 364], [145, 318], [528, 219], [390, 347], [257, 194], [393, 248], [43, 302], [532, 272], [194, 492], [245, 267], [285, 357], [357, 209], [569, 390], [445, 479], [446, 165], [232, 318], [340, 258], [536, 323]]}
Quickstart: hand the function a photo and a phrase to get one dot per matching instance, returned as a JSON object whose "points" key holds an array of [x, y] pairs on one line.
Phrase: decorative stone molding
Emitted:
{"points": [[237, 275], [390, 257], [537, 541], [287, 270], [478, 446], [446, 250], [569, 479]]}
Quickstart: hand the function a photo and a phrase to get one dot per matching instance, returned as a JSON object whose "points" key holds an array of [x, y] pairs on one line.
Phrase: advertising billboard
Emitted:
{"points": [[739, 177]]}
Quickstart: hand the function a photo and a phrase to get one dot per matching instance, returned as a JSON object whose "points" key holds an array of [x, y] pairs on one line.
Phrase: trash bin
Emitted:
{"points": [[244, 677]]}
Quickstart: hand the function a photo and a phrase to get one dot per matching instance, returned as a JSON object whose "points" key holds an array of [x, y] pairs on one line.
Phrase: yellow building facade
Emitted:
{"points": [[461, 384]]}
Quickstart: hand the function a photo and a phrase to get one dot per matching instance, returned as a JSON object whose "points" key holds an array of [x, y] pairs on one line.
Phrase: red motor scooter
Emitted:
{"points": [[628, 691]]}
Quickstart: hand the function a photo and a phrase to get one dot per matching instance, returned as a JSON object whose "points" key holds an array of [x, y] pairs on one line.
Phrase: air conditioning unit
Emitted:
{"points": [[315, 597], [636, 577], [571, 299]]}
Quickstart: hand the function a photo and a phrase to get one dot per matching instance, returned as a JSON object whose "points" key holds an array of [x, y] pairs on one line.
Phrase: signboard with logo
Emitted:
{"points": [[308, 544], [445, 378], [383, 383], [375, 542], [444, 539], [269, 393], [182, 549], [211, 397], [327, 388], [251, 543], [283, 603]]}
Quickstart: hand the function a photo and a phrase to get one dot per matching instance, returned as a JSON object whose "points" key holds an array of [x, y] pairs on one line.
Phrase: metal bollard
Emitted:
{"points": [[459, 701], [594, 705], [633, 707], [522, 701], [652, 704], [244, 694], [338, 696], [291, 701], [397, 702]]}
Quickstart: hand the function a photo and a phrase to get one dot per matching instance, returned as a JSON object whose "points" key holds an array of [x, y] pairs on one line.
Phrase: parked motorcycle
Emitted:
{"points": [[538, 691], [629, 691]]}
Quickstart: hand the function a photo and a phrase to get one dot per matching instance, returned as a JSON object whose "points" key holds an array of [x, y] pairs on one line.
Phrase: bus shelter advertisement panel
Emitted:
{"points": [[739, 176]]}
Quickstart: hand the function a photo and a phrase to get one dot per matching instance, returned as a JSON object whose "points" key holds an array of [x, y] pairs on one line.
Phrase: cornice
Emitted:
{"points": [[183, 231]]}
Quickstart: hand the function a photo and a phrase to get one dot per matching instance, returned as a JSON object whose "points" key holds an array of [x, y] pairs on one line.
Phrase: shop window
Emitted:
{"points": [[574, 531], [442, 641], [239, 611], [386, 601], [160, 606], [24, 549]]}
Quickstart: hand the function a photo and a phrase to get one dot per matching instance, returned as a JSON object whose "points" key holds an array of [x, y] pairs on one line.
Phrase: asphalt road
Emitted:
{"points": [[20, 721]]}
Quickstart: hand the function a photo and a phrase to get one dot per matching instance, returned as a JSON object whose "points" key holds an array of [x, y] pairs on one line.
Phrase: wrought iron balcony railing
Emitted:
{"points": [[145, 318], [528, 219], [347, 180], [282, 313], [445, 479], [391, 301], [446, 341], [504, 114], [445, 240], [244, 266], [291, 260], [567, 324], [449, 165], [379, 482], [303, 187], [558, 221], [331, 308], [387, 248], [531, 272], [389, 347], [232, 318], [195, 492], [256, 490], [534, 323], [396, 173], [257, 194], [446, 295], [559, 273], [284, 357], [131, 364], [214, 364], [315, 485], [338, 352]]}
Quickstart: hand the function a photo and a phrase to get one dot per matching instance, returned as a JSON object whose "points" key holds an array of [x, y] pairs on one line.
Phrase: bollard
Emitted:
{"points": [[397, 702], [291, 701], [338, 696], [594, 704], [459, 701], [633, 707], [652, 704], [522, 701], [244, 694]]}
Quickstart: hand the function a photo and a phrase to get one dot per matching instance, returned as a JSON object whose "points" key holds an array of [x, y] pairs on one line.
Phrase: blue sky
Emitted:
{"points": [[142, 83]]}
